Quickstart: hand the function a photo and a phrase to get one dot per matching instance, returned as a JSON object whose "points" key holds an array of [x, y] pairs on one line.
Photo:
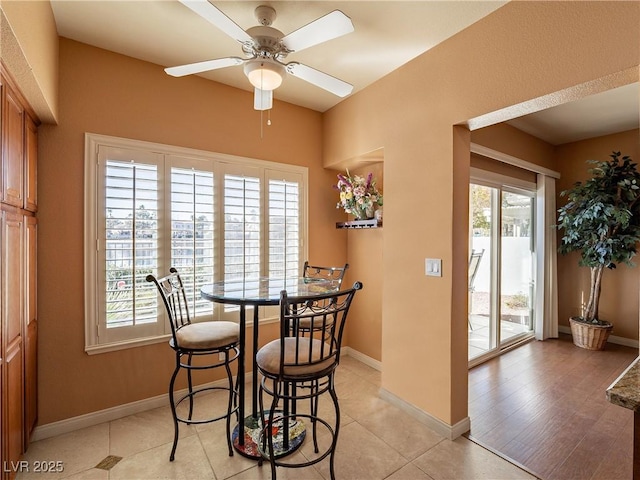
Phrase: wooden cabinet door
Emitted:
{"points": [[30, 164], [13, 404], [31, 330], [12, 149], [13, 308]]}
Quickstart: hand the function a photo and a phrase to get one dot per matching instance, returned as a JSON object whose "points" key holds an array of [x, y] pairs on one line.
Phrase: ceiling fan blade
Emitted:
{"points": [[262, 99], [320, 79], [328, 27], [182, 70], [213, 15]]}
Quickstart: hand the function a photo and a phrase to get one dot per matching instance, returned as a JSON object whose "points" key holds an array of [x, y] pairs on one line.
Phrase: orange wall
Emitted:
{"points": [[110, 94], [619, 297], [364, 254], [508, 64], [507, 139]]}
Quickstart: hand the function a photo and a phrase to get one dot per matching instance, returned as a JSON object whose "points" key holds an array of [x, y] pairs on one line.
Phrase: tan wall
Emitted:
{"points": [[364, 254], [507, 139], [508, 64], [29, 50], [619, 298], [110, 94], [495, 166]]}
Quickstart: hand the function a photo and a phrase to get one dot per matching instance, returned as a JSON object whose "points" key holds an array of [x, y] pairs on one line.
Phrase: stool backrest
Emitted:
{"points": [[325, 273], [319, 346], [173, 295]]}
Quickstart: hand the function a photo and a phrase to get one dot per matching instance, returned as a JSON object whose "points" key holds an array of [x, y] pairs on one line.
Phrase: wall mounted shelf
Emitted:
{"points": [[373, 223]]}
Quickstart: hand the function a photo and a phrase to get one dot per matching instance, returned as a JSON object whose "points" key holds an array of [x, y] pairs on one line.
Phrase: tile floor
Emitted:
{"points": [[377, 441]]}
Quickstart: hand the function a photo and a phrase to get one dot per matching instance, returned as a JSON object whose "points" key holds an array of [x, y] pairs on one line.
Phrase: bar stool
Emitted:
{"points": [[216, 339], [299, 367]]}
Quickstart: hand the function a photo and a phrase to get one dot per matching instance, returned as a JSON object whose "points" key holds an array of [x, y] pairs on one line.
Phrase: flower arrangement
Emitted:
{"points": [[358, 195]]}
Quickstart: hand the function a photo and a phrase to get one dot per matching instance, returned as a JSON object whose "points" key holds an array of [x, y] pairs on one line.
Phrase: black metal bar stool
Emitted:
{"points": [[299, 366], [324, 273], [216, 339]]}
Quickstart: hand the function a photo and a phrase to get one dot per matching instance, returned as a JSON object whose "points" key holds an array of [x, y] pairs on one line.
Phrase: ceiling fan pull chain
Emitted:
{"points": [[269, 117]]}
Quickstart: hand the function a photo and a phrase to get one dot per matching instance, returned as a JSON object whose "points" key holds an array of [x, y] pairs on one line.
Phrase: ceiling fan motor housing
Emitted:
{"points": [[266, 42]]}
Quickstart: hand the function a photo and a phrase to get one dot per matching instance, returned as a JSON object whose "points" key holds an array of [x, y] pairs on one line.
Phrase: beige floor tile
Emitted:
{"points": [[77, 451], [264, 473], [462, 459], [145, 430], [215, 446], [409, 472], [398, 429], [91, 474], [360, 455], [366, 372], [154, 464], [359, 399]]}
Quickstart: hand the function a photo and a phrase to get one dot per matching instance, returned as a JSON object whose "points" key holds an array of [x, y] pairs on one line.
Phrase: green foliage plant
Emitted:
{"points": [[601, 220]]}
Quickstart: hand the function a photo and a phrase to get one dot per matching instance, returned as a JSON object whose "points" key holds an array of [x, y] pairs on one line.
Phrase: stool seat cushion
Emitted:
{"points": [[305, 324], [268, 357], [208, 335]]}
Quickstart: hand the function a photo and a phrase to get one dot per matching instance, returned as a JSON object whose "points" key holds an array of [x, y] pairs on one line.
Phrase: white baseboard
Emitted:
{"points": [[627, 342], [95, 418], [109, 414], [361, 357], [448, 431]]}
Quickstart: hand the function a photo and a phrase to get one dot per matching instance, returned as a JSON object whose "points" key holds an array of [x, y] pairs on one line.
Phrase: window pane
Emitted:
{"points": [[192, 238], [241, 227], [131, 243], [284, 231]]}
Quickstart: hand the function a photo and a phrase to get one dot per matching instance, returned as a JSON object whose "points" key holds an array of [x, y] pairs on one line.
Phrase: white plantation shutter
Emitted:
{"points": [[214, 217], [129, 236], [192, 234], [242, 223], [284, 225]]}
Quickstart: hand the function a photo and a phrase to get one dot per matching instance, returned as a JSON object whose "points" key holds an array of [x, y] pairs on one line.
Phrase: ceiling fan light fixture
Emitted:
{"points": [[264, 74]]}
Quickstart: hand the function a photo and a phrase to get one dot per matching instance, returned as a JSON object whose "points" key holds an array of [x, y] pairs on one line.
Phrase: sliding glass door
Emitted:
{"points": [[501, 267]]}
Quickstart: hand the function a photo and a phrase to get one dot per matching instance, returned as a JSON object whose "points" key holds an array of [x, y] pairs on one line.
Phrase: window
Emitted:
{"points": [[212, 216]]}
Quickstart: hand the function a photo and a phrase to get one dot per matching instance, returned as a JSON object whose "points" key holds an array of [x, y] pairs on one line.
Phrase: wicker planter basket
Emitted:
{"points": [[589, 336]]}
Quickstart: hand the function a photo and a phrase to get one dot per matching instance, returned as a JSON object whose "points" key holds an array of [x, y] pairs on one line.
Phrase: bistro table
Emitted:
{"points": [[255, 293]]}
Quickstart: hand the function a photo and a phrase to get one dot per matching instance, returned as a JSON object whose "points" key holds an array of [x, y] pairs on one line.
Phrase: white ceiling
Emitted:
{"points": [[387, 35], [613, 111]]}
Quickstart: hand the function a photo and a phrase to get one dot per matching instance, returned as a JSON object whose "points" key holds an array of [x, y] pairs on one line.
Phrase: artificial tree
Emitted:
{"points": [[601, 220]]}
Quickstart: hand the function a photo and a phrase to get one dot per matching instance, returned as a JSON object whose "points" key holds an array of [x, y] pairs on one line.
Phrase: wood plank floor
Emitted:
{"points": [[543, 406]]}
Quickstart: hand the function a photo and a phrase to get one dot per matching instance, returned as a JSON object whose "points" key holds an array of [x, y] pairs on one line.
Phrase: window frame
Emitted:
{"points": [[181, 157]]}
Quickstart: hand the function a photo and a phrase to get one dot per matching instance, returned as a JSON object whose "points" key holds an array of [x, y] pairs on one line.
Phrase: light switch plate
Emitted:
{"points": [[433, 267]]}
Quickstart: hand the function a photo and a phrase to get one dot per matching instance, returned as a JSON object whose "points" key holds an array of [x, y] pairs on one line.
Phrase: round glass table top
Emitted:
{"points": [[265, 290]]}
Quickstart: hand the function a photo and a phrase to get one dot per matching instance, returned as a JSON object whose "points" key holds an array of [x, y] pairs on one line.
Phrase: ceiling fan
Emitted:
{"points": [[265, 47]]}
